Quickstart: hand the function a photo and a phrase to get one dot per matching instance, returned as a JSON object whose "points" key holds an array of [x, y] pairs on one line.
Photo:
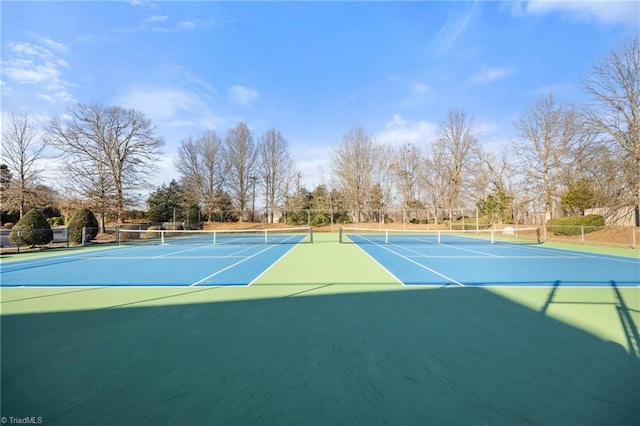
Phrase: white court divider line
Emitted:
{"points": [[234, 254], [416, 263], [575, 254], [273, 264], [230, 266], [382, 266], [420, 254], [473, 251]]}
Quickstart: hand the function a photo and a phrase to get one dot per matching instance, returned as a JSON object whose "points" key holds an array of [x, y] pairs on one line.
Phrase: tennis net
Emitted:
{"points": [[509, 235], [209, 237]]}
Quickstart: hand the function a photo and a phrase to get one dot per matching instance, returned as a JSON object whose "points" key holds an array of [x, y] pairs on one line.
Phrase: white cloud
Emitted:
{"points": [[312, 160], [170, 106], [490, 75], [396, 121], [156, 18], [399, 131], [240, 95], [422, 88], [453, 28], [52, 44], [603, 12], [186, 25], [38, 63]]}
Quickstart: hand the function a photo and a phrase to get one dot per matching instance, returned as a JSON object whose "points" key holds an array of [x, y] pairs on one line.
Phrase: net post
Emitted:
{"points": [[311, 234], [439, 236], [162, 237], [214, 237], [538, 235], [386, 236], [117, 235], [493, 240], [340, 235], [265, 237]]}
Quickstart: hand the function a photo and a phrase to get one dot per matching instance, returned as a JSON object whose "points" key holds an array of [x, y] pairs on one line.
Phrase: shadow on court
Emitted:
{"points": [[626, 314], [436, 356]]}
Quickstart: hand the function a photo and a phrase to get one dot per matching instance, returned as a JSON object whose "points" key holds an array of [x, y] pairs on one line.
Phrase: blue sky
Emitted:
{"points": [[312, 70]]}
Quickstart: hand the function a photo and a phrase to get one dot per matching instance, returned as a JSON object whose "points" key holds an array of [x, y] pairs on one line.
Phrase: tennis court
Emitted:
{"points": [[470, 258], [168, 329], [161, 258]]}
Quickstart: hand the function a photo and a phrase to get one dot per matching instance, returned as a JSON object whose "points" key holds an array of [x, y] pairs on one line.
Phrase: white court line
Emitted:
{"points": [[234, 254], [565, 253], [495, 258], [414, 262], [103, 258], [231, 266], [56, 258], [481, 253], [273, 263], [381, 265], [472, 251]]}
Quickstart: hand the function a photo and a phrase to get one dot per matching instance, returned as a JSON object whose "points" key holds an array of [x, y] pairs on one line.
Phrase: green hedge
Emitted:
{"points": [[83, 218], [575, 225], [32, 230]]}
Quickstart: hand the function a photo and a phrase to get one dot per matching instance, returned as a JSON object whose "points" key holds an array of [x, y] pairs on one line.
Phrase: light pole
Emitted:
{"points": [[266, 199], [253, 203]]}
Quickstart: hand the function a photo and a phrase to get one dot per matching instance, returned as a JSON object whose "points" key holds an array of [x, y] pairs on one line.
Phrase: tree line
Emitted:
{"points": [[563, 160]]}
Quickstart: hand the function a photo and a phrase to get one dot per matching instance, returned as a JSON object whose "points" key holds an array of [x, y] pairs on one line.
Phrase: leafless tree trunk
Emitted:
{"points": [[124, 141], [406, 169], [20, 152], [203, 167], [94, 182], [451, 157], [277, 169], [614, 86], [242, 155], [353, 164], [383, 178], [548, 134]]}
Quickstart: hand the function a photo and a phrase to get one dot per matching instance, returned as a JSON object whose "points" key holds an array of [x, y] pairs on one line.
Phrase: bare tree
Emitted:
{"points": [[353, 164], [276, 168], [451, 158], [203, 168], [121, 140], [20, 152], [382, 193], [548, 135], [242, 155], [92, 181], [614, 86], [406, 170]]}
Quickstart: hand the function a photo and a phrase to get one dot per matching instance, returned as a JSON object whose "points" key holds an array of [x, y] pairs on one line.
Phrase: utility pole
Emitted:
{"points": [[253, 203], [266, 198]]}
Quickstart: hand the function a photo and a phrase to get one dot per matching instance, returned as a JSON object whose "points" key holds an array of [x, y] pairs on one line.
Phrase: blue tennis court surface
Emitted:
{"points": [[484, 264], [149, 265]]}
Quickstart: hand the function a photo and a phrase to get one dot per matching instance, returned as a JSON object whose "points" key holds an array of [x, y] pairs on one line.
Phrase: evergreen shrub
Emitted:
{"points": [[574, 225], [83, 218], [32, 230]]}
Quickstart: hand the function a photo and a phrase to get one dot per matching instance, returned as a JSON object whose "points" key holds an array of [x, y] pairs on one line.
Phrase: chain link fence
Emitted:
{"points": [[330, 221]]}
